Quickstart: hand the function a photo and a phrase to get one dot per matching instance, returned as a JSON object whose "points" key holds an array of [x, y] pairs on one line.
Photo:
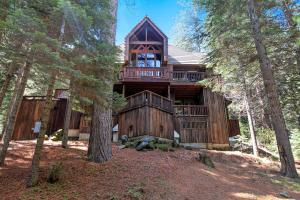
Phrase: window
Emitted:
{"points": [[141, 59], [145, 56]]}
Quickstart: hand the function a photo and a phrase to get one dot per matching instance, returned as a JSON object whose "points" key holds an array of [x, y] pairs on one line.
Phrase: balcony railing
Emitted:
{"points": [[148, 98], [190, 110], [159, 74], [186, 76], [145, 73]]}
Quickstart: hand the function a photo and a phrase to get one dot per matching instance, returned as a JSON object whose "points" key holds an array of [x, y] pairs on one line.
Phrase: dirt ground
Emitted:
{"points": [[143, 175]]}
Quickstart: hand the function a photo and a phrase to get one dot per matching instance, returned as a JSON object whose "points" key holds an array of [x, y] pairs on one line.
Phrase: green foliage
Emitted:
{"points": [[55, 172], [136, 192], [119, 102], [163, 147], [244, 128], [266, 137], [57, 136], [295, 140]]}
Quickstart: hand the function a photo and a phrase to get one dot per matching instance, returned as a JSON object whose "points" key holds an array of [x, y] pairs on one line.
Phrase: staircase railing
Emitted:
{"points": [[148, 98], [190, 110], [187, 76]]}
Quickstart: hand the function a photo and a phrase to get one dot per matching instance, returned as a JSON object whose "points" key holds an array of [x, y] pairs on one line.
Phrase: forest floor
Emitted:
{"points": [[143, 175]]}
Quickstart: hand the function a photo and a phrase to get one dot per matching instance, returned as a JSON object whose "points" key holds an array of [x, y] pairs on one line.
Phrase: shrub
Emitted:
{"points": [[57, 136], [295, 141], [54, 173], [163, 147], [244, 128]]}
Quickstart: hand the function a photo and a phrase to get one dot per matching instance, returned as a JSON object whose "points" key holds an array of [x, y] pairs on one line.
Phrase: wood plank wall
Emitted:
{"points": [[192, 129], [217, 117], [233, 127], [31, 110], [146, 120]]}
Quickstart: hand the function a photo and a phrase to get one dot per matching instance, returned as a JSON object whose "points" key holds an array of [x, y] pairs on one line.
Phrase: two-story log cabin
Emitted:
{"points": [[160, 83]]}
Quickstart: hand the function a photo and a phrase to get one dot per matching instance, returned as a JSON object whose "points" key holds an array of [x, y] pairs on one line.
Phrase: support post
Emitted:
{"points": [[169, 92], [123, 91]]}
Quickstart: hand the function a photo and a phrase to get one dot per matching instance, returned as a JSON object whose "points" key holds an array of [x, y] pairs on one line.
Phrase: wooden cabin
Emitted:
{"points": [[30, 112], [164, 98], [160, 82]]}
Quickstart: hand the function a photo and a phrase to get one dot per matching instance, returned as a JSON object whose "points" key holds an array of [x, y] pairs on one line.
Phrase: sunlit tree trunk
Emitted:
{"points": [[13, 110], [100, 149], [251, 127], [247, 98], [34, 175], [33, 178], [284, 147], [5, 84], [67, 117]]}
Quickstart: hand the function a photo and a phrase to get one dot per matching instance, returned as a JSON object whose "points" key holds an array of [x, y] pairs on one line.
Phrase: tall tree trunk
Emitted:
{"points": [[33, 178], [12, 100], [265, 116], [16, 102], [100, 144], [34, 175], [100, 149], [247, 97], [67, 117], [284, 147], [251, 127], [5, 84]]}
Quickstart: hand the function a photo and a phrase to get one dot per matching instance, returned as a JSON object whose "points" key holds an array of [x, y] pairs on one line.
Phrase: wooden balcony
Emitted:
{"points": [[147, 98], [185, 76], [190, 110], [145, 74], [164, 74]]}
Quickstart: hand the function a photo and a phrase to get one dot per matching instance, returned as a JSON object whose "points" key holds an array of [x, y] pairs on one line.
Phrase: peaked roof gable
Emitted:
{"points": [[141, 23], [146, 19]]}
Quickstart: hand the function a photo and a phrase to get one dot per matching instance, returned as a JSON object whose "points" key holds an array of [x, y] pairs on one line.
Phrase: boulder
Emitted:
{"points": [[285, 195], [141, 146], [146, 142], [124, 139], [205, 159], [122, 146]]}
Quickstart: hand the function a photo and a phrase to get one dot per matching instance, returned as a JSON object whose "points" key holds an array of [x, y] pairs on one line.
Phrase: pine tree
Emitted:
{"points": [[284, 147], [100, 149], [26, 30]]}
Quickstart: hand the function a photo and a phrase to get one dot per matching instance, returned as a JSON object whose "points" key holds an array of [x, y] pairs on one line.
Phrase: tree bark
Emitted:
{"points": [[100, 142], [68, 113], [251, 128], [100, 149], [5, 84], [16, 102], [33, 178], [12, 101], [284, 147], [265, 115], [248, 101]]}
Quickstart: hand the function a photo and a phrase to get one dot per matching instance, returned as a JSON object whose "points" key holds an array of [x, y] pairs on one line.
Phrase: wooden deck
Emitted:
{"points": [[160, 74], [148, 98], [147, 113]]}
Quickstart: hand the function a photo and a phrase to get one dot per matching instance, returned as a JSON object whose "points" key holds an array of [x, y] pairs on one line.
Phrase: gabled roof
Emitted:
{"points": [[176, 56], [140, 24], [179, 56]]}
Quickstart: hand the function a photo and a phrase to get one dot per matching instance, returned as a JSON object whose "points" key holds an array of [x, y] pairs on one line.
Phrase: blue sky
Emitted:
{"points": [[162, 12]]}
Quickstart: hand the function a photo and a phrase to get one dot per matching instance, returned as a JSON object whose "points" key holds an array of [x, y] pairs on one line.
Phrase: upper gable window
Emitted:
{"points": [[146, 47], [145, 56]]}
